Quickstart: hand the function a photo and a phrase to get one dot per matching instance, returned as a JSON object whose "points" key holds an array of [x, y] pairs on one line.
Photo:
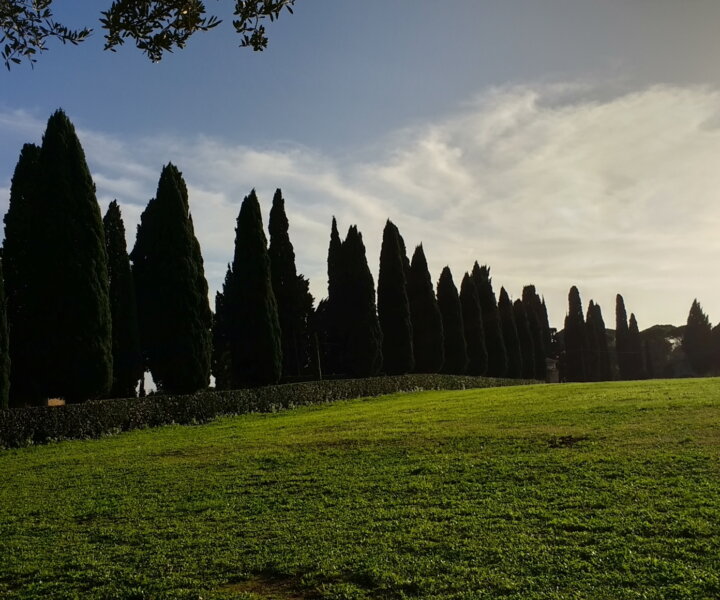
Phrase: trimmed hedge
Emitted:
{"points": [[39, 425]]}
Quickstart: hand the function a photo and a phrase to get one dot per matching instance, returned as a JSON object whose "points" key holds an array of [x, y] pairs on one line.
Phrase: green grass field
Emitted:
{"points": [[598, 491]]}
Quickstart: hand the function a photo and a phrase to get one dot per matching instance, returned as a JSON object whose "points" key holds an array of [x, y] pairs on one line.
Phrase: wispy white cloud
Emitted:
{"points": [[554, 185]]}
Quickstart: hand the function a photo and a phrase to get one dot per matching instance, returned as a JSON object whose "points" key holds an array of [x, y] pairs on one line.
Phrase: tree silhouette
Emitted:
{"points": [[393, 305], [456, 357], [156, 26], [428, 346], [172, 292]]}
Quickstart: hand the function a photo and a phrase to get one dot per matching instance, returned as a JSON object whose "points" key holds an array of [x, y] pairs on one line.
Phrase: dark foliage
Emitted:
{"points": [[363, 337], [598, 363], [428, 344], [473, 327], [636, 355], [540, 328], [72, 339], [22, 252], [456, 356], [156, 26], [24, 426], [4, 348], [697, 341], [621, 339], [329, 321], [251, 310], [172, 293], [510, 336], [127, 360], [220, 360], [576, 345], [393, 306], [525, 339], [497, 355], [715, 345], [294, 302]]}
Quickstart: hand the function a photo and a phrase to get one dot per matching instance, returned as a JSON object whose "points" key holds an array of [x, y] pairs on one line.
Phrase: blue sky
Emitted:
{"points": [[559, 141]]}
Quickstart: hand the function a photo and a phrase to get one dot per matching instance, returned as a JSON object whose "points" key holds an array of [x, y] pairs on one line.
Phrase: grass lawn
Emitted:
{"points": [[597, 491]]}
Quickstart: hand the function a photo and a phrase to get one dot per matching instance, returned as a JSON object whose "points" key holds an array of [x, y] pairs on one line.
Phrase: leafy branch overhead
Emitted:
{"points": [[156, 26]]}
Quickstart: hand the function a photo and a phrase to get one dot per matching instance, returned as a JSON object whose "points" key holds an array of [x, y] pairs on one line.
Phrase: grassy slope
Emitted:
{"points": [[472, 494]]}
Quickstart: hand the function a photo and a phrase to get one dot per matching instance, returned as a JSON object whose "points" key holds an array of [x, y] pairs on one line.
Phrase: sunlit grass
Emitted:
{"points": [[565, 491]]}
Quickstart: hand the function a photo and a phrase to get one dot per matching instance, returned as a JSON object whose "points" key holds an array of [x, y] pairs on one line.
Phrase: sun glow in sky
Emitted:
{"points": [[561, 142]]}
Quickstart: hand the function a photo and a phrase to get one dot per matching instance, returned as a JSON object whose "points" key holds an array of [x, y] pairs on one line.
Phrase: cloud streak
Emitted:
{"points": [[550, 184]]}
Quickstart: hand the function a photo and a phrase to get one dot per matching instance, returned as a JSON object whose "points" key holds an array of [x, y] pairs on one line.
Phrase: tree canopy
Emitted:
{"points": [[155, 26]]}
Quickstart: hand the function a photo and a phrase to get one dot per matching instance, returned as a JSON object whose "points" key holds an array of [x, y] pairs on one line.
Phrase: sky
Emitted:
{"points": [[560, 142]]}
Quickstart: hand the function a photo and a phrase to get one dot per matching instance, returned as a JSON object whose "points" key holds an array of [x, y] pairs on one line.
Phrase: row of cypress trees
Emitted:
{"points": [[85, 322], [587, 355], [415, 328]]}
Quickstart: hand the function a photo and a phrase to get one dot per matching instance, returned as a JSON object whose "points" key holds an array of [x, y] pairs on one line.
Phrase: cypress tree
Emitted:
{"points": [[604, 371], [4, 348], [497, 355], [288, 289], [428, 345], [252, 312], [127, 361], [510, 336], [635, 350], [576, 346], [172, 293], [473, 327], [221, 338], [525, 339], [621, 338], [536, 312], [456, 357], [329, 319], [71, 337], [697, 340], [393, 306], [363, 336], [22, 253], [593, 339]]}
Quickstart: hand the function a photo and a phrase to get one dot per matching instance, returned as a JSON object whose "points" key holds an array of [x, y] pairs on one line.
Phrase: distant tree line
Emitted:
{"points": [[80, 318]]}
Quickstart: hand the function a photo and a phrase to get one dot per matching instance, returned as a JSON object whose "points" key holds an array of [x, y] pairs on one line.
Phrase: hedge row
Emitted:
{"points": [[39, 425]]}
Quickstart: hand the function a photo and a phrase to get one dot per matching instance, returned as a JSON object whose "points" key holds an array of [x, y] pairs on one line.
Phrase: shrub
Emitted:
{"points": [[39, 425]]}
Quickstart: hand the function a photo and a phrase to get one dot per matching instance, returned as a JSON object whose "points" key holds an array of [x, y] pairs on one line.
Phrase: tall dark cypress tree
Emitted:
{"points": [[221, 338], [621, 339], [393, 306], [4, 348], [172, 292], [497, 355], [288, 290], [22, 252], [537, 313], [428, 345], [604, 371], [592, 364], [576, 346], [635, 350], [329, 320], [473, 327], [525, 339], [456, 357], [510, 336], [252, 312], [363, 336], [74, 360], [697, 340], [127, 361]]}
